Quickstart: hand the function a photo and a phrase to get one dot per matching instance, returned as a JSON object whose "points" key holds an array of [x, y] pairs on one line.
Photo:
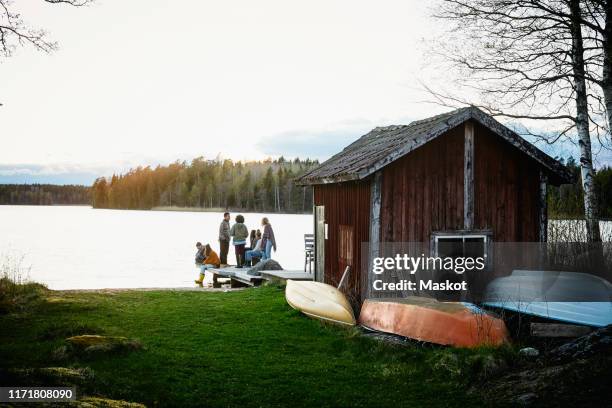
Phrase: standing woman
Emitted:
{"points": [[268, 240], [239, 233]]}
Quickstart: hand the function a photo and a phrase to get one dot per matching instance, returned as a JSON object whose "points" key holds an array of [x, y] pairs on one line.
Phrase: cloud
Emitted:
{"points": [[60, 173], [321, 143], [565, 147], [74, 172], [313, 144]]}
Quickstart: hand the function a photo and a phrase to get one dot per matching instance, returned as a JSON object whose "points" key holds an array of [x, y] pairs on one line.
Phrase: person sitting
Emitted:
{"points": [[252, 240], [211, 260], [199, 257], [257, 251]]}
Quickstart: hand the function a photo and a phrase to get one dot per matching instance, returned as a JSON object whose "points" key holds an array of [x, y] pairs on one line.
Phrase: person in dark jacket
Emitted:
{"points": [[239, 233], [268, 242], [224, 239]]}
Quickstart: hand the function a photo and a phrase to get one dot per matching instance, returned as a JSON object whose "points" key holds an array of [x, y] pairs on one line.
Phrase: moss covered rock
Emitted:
{"points": [[93, 343], [54, 375], [97, 402]]}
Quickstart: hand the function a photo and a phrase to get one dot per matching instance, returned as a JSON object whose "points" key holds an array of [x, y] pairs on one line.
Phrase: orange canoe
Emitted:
{"points": [[449, 323]]}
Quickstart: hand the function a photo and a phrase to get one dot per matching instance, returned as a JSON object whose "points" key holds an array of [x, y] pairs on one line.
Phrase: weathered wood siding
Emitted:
{"points": [[506, 189], [347, 214], [423, 191]]}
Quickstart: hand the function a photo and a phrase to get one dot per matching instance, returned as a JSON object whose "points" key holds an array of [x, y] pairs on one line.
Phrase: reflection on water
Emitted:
{"points": [[79, 247]]}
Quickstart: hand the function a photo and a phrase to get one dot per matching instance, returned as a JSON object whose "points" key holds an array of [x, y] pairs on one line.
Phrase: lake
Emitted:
{"points": [[77, 247]]}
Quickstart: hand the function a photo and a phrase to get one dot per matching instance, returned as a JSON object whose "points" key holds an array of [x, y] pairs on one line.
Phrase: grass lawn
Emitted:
{"points": [[242, 348]]}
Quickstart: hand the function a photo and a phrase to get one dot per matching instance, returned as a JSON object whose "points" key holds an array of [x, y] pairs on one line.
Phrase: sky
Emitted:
{"points": [[147, 82]]}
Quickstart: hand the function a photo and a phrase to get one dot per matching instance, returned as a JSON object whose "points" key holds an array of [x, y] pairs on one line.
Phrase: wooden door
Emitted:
{"points": [[346, 251], [320, 237]]}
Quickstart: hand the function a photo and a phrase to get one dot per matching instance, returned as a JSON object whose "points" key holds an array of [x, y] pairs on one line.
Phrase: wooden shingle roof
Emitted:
{"points": [[383, 145]]}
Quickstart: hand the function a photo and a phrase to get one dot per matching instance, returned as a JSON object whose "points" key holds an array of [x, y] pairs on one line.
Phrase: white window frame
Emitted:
{"points": [[437, 235]]}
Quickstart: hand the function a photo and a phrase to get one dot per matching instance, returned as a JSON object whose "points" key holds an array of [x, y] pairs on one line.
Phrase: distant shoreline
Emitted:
{"points": [[45, 205], [220, 209], [163, 208]]}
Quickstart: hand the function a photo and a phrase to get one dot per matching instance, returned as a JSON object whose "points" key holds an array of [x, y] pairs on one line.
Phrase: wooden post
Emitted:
{"points": [[468, 177], [543, 205], [320, 243], [375, 204]]}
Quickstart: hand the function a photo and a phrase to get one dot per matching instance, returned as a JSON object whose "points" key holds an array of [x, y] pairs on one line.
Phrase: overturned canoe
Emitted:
{"points": [[319, 300], [570, 297], [424, 319]]}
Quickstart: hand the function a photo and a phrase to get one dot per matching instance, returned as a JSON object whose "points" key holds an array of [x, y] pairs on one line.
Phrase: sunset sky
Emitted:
{"points": [[149, 81]]}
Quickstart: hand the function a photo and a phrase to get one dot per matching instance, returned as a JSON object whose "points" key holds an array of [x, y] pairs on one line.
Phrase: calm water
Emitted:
{"points": [[79, 247]]}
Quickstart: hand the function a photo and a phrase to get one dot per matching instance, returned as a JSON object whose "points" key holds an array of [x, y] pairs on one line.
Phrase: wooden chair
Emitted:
{"points": [[308, 251]]}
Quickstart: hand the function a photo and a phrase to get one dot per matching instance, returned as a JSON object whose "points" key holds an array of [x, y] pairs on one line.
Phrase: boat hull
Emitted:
{"points": [[424, 319], [561, 296], [320, 301]]}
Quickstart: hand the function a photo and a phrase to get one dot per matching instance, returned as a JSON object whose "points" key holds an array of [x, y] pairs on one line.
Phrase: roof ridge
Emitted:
{"points": [[384, 144]]}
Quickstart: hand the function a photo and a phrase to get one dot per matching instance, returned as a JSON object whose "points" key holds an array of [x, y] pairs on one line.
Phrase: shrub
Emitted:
{"points": [[16, 291]]}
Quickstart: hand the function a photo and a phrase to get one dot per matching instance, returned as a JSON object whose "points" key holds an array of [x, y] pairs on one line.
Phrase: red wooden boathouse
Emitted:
{"points": [[459, 174]]}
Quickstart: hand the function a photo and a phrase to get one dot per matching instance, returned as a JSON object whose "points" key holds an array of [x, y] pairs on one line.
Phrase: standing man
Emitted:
{"points": [[224, 239]]}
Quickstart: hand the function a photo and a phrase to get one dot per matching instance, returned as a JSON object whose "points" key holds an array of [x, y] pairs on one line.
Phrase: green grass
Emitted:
{"points": [[236, 349]]}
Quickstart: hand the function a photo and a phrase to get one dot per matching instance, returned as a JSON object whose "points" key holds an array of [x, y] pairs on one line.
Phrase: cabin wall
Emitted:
{"points": [[423, 191], [347, 215], [506, 189]]}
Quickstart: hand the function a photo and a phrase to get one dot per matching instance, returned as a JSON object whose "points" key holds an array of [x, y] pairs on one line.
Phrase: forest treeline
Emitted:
{"points": [[267, 186], [44, 194], [263, 186], [567, 200]]}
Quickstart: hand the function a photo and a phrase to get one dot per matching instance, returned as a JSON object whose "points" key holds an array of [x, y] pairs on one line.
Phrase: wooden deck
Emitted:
{"points": [[238, 277], [284, 275]]}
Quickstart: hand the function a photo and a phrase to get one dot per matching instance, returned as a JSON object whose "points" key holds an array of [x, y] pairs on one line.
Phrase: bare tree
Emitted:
{"points": [[14, 32], [582, 123], [529, 59]]}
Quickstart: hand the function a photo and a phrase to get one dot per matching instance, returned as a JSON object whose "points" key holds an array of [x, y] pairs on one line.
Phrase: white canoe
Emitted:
{"points": [[571, 297], [319, 300]]}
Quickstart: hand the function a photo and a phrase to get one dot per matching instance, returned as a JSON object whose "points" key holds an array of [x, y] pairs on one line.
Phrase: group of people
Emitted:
{"points": [[260, 246]]}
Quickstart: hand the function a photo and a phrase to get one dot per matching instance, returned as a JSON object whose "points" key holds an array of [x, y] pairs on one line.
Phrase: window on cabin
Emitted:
{"points": [[460, 245]]}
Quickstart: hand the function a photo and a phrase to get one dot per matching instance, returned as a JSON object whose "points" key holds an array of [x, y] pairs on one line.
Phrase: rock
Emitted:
{"points": [[492, 366], [580, 382], [60, 353], [529, 352], [526, 399], [97, 402], [55, 375], [267, 265], [596, 342], [93, 343]]}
